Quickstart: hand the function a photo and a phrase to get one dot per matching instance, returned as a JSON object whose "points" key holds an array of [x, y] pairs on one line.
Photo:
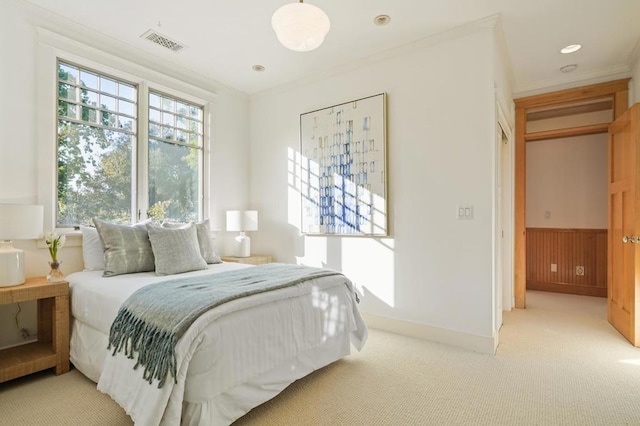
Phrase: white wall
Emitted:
{"points": [[568, 178], [433, 270], [634, 84], [24, 139]]}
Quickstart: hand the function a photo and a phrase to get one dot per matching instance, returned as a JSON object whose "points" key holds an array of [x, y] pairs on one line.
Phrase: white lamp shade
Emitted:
{"points": [[20, 221], [242, 220], [299, 26]]}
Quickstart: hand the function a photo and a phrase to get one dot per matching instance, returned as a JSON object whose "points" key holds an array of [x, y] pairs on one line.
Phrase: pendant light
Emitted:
{"points": [[299, 26]]}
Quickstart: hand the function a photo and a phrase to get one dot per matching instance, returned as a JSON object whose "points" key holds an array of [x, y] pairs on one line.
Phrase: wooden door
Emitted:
{"points": [[624, 227]]}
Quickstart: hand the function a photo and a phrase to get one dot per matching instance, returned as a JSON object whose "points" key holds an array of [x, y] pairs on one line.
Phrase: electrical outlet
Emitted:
{"points": [[547, 214], [554, 267], [580, 270], [25, 333]]}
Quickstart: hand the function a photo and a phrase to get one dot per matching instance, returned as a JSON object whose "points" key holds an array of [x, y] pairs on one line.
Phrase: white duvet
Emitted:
{"points": [[232, 358]]}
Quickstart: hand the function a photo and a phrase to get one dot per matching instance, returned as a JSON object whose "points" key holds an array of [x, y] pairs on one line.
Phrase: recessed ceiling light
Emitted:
{"points": [[569, 68], [381, 20], [258, 68], [571, 48]]}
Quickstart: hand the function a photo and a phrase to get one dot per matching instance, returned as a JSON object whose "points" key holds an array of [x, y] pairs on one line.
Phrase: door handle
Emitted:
{"points": [[630, 239]]}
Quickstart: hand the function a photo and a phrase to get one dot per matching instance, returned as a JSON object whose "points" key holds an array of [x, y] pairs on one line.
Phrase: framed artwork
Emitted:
{"points": [[344, 169]]}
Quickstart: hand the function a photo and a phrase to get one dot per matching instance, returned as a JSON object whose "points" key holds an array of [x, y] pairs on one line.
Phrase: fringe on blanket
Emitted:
{"points": [[155, 348]]}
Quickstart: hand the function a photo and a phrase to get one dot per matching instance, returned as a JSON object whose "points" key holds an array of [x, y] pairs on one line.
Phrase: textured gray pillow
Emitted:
{"points": [[126, 248], [207, 248], [176, 250]]}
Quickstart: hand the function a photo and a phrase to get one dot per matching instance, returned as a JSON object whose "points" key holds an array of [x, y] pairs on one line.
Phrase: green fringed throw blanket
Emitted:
{"points": [[152, 320]]}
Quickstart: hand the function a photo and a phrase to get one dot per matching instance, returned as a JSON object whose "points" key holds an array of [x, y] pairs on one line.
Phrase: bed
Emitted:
{"points": [[231, 359]]}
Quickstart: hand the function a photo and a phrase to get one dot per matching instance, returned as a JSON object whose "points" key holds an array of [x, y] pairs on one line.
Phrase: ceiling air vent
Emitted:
{"points": [[163, 41]]}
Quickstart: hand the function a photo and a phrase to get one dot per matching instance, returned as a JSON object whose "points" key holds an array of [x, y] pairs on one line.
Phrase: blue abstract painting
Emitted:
{"points": [[343, 168]]}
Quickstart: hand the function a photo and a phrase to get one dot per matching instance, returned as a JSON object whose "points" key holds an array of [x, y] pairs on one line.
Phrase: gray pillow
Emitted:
{"points": [[126, 248], [176, 250], [207, 248]]}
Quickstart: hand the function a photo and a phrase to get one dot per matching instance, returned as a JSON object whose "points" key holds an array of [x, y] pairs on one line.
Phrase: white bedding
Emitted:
{"points": [[231, 359]]}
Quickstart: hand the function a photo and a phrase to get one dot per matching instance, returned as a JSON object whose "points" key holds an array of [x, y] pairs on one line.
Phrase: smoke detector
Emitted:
{"points": [[162, 40]]}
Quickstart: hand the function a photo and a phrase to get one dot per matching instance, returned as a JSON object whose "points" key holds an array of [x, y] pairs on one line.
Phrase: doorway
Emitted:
{"points": [[617, 91]]}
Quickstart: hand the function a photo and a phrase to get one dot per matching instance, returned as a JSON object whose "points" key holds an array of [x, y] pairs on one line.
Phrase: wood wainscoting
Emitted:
{"points": [[568, 249]]}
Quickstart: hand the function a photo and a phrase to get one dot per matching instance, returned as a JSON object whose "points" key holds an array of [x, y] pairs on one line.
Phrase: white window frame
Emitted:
{"points": [[53, 47]]}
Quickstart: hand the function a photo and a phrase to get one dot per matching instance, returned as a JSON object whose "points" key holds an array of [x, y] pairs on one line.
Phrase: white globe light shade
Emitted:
{"points": [[299, 26]]}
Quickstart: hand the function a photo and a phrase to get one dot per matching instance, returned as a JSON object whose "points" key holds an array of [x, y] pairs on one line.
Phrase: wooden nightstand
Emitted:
{"points": [[254, 259], [52, 347]]}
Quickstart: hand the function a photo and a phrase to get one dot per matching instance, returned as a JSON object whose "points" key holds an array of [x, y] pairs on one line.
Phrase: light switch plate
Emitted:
{"points": [[464, 212]]}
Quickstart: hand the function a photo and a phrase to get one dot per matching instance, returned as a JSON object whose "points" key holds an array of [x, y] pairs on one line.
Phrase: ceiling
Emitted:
{"points": [[225, 39]]}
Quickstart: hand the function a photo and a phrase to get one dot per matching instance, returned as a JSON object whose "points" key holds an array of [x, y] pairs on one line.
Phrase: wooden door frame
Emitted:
{"points": [[618, 90]]}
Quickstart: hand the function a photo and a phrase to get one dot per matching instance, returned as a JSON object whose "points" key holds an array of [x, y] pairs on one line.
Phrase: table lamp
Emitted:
{"points": [[243, 221], [17, 222]]}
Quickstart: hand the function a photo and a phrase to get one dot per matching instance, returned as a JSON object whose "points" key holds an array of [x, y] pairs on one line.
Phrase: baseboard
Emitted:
{"points": [[459, 339], [582, 290]]}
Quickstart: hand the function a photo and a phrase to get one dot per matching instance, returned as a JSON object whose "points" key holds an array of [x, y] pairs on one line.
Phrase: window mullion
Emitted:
{"points": [[142, 163]]}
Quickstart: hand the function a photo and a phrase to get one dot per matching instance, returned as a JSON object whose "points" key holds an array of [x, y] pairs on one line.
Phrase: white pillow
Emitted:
{"points": [[92, 249]]}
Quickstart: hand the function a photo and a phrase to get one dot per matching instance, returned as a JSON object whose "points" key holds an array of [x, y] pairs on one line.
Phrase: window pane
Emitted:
{"points": [[125, 107], [182, 108], [107, 118], [89, 97], [89, 114], [66, 109], [154, 100], [107, 102], [66, 91], [94, 174], [126, 91], [167, 132], [167, 119], [89, 79], [168, 104], [67, 73], [174, 184], [196, 112], [155, 116], [109, 86], [126, 123], [154, 130]]}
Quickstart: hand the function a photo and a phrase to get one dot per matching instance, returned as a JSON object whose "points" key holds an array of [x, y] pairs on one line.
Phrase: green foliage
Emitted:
{"points": [[95, 169]]}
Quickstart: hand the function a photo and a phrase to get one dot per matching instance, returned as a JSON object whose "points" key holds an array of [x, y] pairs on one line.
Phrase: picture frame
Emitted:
{"points": [[344, 169]]}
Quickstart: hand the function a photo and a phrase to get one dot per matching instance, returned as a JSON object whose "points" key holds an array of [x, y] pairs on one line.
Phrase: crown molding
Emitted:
{"points": [[486, 23], [581, 79]]}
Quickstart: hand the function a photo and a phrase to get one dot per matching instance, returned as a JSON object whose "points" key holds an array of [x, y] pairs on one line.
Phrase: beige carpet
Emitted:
{"points": [[559, 362]]}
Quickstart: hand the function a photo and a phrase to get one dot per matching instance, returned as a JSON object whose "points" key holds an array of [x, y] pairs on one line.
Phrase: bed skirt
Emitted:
{"points": [[88, 352]]}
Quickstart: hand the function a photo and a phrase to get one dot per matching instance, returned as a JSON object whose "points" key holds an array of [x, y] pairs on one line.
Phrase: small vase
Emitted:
{"points": [[55, 274]]}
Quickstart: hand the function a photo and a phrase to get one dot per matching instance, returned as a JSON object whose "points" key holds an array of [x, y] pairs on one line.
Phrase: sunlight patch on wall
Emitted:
{"points": [[635, 362], [293, 179], [360, 255]]}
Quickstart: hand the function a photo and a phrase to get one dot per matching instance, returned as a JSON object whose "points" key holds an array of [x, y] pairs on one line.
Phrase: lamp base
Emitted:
{"points": [[11, 265], [243, 245]]}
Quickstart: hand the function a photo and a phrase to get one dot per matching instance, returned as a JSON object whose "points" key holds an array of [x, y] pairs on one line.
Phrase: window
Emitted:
{"points": [[103, 152], [175, 157]]}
